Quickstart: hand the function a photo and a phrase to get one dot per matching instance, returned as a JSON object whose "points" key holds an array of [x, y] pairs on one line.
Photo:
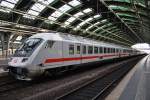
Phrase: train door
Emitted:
{"points": [[78, 53], [84, 53]]}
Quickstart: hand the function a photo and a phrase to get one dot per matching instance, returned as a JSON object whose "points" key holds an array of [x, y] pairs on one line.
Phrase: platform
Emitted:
{"points": [[3, 65], [135, 85], [3, 61]]}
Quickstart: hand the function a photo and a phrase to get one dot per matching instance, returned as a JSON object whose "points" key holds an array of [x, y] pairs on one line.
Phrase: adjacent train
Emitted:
{"points": [[54, 52]]}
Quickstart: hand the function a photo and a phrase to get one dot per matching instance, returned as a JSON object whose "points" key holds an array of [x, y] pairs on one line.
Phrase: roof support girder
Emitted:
{"points": [[103, 9]]}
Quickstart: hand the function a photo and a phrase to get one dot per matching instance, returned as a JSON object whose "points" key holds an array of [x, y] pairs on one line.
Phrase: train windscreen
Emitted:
{"points": [[27, 48]]}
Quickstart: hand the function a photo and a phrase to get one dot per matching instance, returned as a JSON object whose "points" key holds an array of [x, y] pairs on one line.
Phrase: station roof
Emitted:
{"points": [[124, 22]]}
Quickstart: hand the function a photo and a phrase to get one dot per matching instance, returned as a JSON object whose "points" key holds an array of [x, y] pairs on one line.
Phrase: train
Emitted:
{"points": [[53, 52]]}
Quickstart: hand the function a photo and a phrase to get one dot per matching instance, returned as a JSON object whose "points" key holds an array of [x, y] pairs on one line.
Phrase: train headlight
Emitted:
{"points": [[24, 59]]}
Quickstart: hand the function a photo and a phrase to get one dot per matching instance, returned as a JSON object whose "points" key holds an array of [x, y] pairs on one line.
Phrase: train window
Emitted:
{"points": [[104, 50], [124, 51], [108, 50], [78, 49], [84, 49], [71, 49], [90, 49], [116, 50], [119, 51], [113, 50], [100, 49], [96, 50], [49, 44]]}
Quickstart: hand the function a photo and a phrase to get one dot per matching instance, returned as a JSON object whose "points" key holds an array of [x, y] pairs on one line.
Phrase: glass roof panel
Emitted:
{"points": [[71, 19], [87, 10], [128, 19], [62, 9], [12, 1], [127, 15], [37, 8], [65, 8], [106, 25], [46, 1], [104, 20], [119, 7], [92, 26], [84, 22], [79, 14], [74, 3], [140, 2], [9, 3], [33, 12], [97, 29], [88, 20], [50, 20], [120, 0], [56, 14], [97, 16]]}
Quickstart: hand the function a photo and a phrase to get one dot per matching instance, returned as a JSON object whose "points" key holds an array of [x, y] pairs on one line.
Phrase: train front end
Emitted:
{"points": [[21, 63]]}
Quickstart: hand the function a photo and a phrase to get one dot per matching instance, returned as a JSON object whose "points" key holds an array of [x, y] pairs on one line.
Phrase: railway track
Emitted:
{"points": [[97, 89], [8, 84], [6, 80]]}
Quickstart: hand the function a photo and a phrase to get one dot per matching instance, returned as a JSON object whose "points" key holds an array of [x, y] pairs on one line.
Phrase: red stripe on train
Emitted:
{"points": [[67, 59], [53, 60]]}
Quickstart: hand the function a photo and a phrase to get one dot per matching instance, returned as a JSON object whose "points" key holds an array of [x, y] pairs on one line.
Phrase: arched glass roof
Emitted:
{"points": [[114, 18]]}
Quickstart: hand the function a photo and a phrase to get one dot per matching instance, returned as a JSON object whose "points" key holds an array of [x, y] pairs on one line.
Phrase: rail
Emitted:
{"points": [[97, 89]]}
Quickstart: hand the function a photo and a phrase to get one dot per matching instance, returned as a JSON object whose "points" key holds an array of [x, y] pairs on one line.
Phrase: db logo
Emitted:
{"points": [[15, 61]]}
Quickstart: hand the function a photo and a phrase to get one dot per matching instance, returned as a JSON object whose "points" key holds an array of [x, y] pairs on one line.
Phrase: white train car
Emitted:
{"points": [[47, 51]]}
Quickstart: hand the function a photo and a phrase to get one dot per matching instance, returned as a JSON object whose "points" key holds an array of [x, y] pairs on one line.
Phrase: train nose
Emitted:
{"points": [[19, 73], [18, 70], [25, 73]]}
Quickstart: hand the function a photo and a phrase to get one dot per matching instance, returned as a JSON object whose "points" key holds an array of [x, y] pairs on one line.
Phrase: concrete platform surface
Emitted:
{"points": [[3, 67], [3, 62], [135, 85], [3, 72]]}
